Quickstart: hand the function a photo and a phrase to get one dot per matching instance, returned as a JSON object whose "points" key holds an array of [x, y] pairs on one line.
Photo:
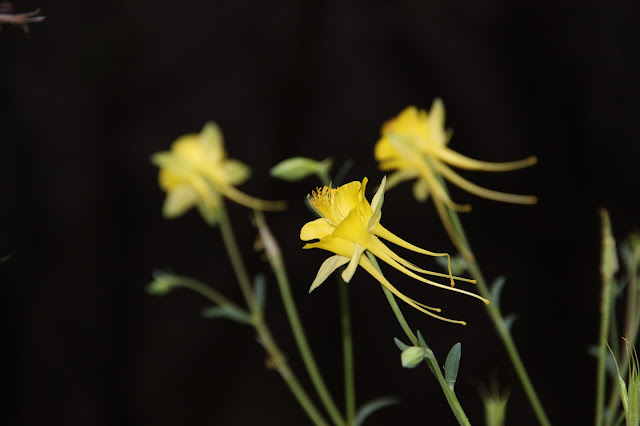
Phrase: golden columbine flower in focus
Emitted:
{"points": [[349, 225], [415, 145], [197, 172]]}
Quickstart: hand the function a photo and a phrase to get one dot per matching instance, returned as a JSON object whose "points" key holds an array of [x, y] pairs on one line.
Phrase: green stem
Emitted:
{"points": [[460, 240], [607, 273], [345, 323], [235, 257], [277, 264], [431, 361], [277, 358], [347, 352], [632, 321], [199, 287]]}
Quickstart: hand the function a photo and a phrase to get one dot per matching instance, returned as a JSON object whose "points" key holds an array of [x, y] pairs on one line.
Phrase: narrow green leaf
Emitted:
{"points": [[260, 290], [458, 264], [402, 346], [452, 364], [496, 290], [228, 313], [372, 406], [633, 388], [509, 319], [421, 340], [610, 364]]}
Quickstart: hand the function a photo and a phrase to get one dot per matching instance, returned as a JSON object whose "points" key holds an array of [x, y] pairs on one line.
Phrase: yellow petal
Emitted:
{"points": [[353, 229], [338, 246], [376, 203], [383, 232], [326, 269], [347, 274], [384, 150], [456, 159], [437, 134], [316, 229], [347, 197], [211, 142], [483, 192], [179, 200], [420, 190], [236, 172], [400, 176], [436, 189]]}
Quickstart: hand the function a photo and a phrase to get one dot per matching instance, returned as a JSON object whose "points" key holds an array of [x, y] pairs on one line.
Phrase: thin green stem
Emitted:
{"points": [[347, 352], [607, 273], [632, 321], [431, 361], [277, 359], [237, 263], [460, 240], [277, 264], [213, 295]]}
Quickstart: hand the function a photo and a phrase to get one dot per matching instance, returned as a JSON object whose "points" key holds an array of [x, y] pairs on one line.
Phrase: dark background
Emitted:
{"points": [[89, 94]]}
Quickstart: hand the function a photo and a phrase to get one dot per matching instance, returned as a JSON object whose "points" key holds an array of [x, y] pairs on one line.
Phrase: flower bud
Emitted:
{"points": [[298, 168], [412, 357]]}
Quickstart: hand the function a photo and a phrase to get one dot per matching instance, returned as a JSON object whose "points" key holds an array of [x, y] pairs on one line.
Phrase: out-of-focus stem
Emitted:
{"points": [[277, 358], [277, 265], [607, 272], [456, 232]]}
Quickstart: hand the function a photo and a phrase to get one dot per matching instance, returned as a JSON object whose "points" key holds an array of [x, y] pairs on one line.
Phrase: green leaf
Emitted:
{"points": [[372, 406], [611, 365], [458, 264], [509, 319], [421, 340], [451, 365], [496, 290], [260, 290], [400, 344], [228, 313]]}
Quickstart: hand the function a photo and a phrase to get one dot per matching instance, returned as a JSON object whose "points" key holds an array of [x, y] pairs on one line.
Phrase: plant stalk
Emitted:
{"points": [[277, 265], [276, 357], [431, 361]]}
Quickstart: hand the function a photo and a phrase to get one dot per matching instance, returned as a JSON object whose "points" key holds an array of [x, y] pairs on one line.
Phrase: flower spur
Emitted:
{"points": [[349, 225]]}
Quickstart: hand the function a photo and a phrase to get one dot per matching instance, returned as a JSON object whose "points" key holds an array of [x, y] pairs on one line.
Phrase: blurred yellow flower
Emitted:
{"points": [[197, 172], [349, 225], [415, 144]]}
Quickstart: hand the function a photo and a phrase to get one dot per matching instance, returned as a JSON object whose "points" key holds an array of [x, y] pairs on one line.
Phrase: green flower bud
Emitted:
{"points": [[298, 168], [412, 357], [162, 284]]}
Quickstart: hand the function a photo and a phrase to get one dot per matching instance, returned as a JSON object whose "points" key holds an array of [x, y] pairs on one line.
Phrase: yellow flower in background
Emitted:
{"points": [[349, 225], [197, 172], [415, 145]]}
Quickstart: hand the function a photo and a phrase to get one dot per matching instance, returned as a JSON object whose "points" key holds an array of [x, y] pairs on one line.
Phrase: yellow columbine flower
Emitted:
{"points": [[197, 172], [349, 225], [415, 145]]}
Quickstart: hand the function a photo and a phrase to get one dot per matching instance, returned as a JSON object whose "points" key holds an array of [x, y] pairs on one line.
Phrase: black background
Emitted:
{"points": [[89, 94]]}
